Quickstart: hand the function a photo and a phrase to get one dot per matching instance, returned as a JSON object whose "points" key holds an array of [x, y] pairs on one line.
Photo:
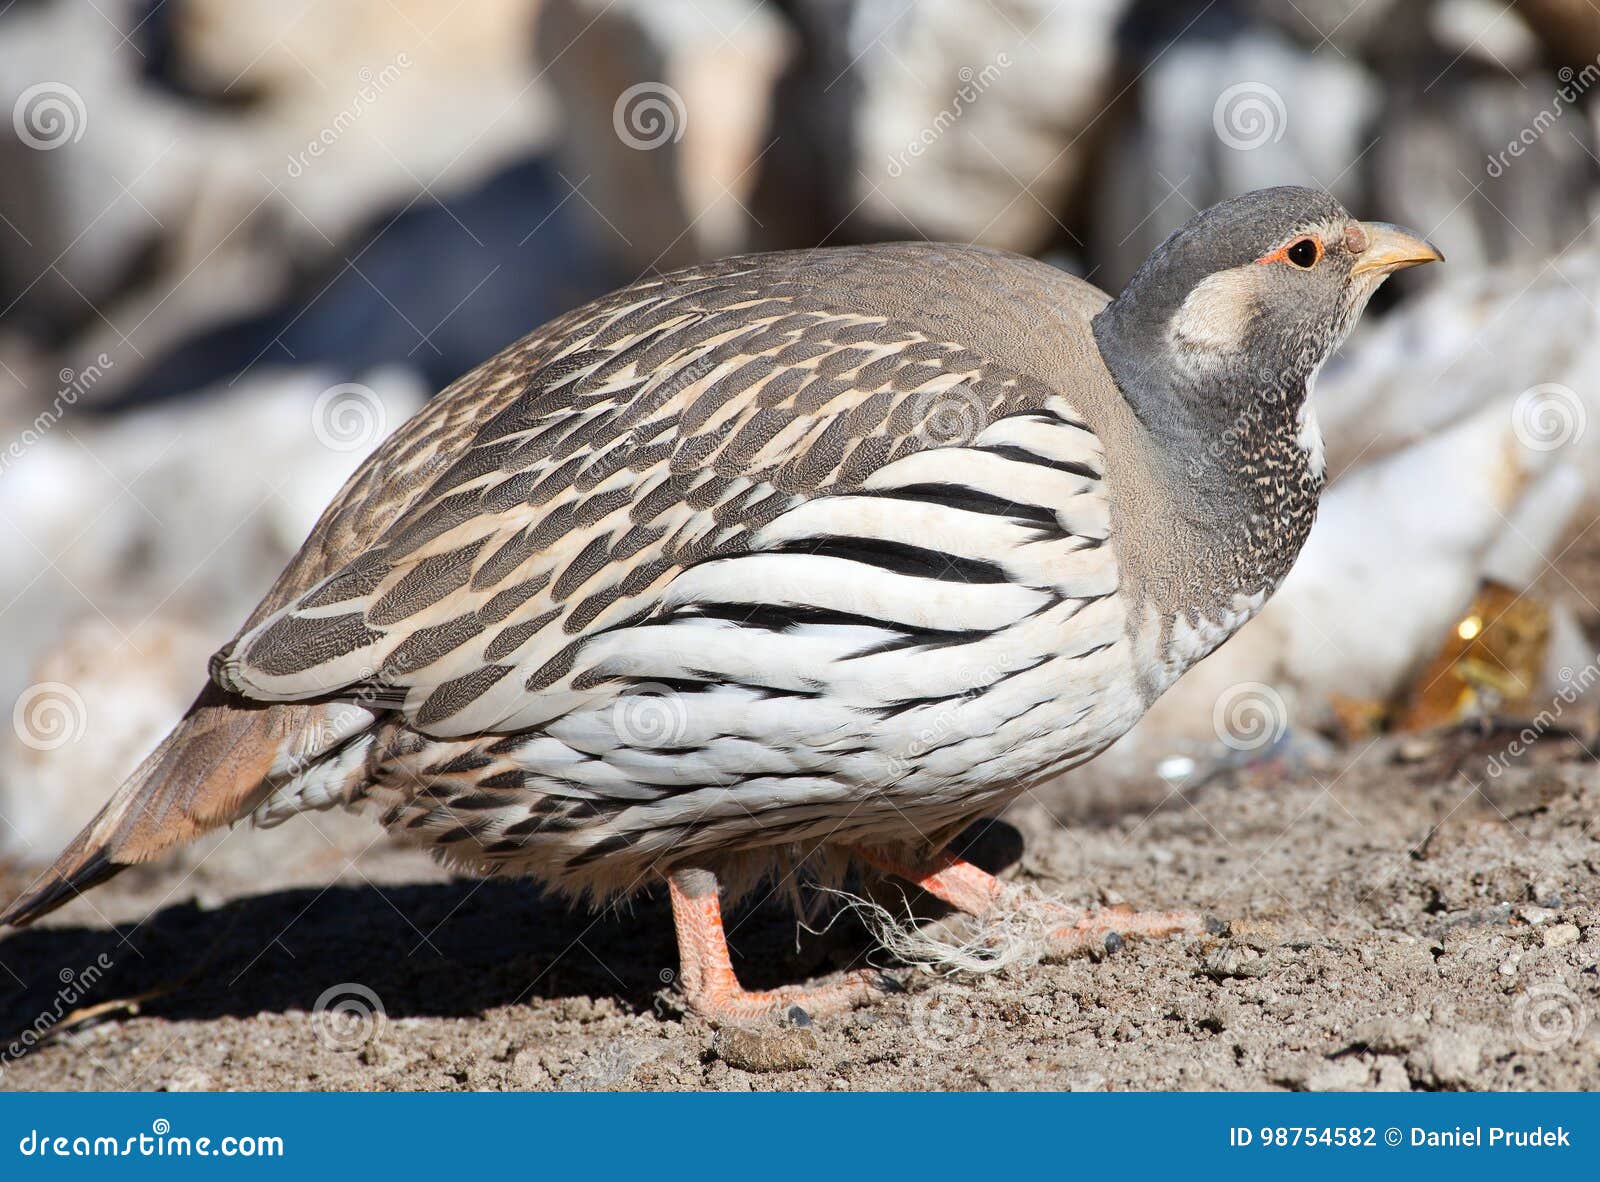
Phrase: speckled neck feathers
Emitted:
{"points": [[1232, 436]]}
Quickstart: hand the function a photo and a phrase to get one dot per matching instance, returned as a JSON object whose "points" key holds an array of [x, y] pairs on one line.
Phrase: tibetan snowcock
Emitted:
{"points": [[784, 560]]}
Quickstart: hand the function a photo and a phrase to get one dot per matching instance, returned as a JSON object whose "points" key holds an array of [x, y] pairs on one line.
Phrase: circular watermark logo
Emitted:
{"points": [[348, 417], [951, 416], [348, 1016], [1248, 115], [48, 115], [1548, 416], [48, 715], [649, 114], [650, 715], [1549, 1015], [1249, 716]]}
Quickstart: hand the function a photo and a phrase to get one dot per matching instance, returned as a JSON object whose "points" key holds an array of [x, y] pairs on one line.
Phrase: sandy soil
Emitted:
{"points": [[1391, 927]]}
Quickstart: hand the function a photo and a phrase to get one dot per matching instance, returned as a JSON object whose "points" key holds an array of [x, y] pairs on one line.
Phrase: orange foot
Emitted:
{"points": [[706, 971], [1077, 932]]}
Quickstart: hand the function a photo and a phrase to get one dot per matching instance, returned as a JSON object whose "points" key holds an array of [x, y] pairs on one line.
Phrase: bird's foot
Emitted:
{"points": [[1068, 931], [723, 1002], [710, 986], [1096, 933]]}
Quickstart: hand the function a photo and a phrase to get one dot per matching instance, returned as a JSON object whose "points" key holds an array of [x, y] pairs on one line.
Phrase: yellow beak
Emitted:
{"points": [[1389, 249]]}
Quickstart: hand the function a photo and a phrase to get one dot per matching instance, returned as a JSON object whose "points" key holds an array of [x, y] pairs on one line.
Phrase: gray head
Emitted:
{"points": [[1231, 317]]}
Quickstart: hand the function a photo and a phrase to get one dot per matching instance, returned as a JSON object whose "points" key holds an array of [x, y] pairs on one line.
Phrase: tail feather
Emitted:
{"points": [[212, 770]]}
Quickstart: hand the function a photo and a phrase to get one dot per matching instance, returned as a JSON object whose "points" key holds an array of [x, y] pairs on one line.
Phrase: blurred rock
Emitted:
{"points": [[1568, 30], [149, 537], [1405, 112], [97, 702], [669, 100], [974, 121], [1466, 345], [1230, 107], [82, 131], [152, 215]]}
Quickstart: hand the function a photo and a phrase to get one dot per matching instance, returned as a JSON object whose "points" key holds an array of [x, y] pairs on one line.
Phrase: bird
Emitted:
{"points": [[782, 561]]}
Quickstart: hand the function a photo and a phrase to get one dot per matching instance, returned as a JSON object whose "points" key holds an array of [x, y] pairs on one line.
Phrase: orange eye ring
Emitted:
{"points": [[1302, 253]]}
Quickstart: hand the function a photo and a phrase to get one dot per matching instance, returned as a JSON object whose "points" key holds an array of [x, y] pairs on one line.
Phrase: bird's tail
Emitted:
{"points": [[212, 770]]}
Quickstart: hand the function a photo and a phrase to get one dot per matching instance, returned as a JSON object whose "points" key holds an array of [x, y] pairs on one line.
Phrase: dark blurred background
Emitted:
{"points": [[242, 239]]}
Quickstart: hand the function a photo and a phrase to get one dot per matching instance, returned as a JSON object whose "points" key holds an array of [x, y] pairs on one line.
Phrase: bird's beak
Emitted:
{"points": [[1389, 249]]}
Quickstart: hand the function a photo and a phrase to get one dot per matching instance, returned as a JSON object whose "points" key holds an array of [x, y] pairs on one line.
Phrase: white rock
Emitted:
{"points": [[150, 537], [1559, 935]]}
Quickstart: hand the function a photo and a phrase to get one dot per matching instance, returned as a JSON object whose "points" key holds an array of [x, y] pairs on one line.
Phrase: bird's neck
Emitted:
{"points": [[1243, 454]]}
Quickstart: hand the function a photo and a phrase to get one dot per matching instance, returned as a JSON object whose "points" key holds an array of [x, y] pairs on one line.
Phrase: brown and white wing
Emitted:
{"points": [[693, 449]]}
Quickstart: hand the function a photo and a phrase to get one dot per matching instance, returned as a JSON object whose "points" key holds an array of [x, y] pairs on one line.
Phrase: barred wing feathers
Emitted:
{"points": [[713, 472]]}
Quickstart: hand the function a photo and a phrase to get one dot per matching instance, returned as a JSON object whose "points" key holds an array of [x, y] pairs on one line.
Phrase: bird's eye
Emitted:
{"points": [[1304, 252]]}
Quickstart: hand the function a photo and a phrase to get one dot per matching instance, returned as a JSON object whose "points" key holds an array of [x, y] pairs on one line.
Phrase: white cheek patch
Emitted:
{"points": [[1216, 315], [1309, 437], [1309, 433]]}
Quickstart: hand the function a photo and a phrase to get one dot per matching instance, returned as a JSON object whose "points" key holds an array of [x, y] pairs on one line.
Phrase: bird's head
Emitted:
{"points": [[1228, 321]]}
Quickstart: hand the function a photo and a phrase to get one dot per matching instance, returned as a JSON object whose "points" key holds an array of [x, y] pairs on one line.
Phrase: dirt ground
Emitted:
{"points": [[1391, 926]]}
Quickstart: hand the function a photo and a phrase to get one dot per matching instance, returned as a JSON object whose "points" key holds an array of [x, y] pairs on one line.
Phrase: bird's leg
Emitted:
{"points": [[706, 973], [977, 892]]}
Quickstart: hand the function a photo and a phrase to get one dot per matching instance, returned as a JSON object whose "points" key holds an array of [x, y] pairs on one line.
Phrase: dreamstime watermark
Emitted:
{"points": [[1249, 716], [336, 723], [74, 385], [649, 114], [349, 417], [1573, 85], [1548, 416], [160, 1141], [373, 84], [75, 985], [1548, 1016], [1573, 686], [939, 722], [1248, 115], [48, 115], [650, 715], [950, 415], [607, 1066], [348, 1016], [1275, 390], [49, 715], [973, 84]]}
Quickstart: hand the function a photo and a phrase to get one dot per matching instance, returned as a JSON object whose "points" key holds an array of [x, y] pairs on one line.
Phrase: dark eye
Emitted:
{"points": [[1304, 252]]}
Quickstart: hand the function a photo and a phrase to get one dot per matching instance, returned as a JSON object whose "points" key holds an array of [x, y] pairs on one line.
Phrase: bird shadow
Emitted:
{"points": [[451, 949]]}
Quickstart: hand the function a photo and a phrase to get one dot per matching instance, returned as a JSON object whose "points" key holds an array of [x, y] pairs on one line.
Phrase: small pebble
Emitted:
{"points": [[1235, 960], [1561, 934], [1416, 749], [1338, 1075], [1389, 1075], [527, 1072], [1175, 768], [1447, 1059], [188, 1079]]}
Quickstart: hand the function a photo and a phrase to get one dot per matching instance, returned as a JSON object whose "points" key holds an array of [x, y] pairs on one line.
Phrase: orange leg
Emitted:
{"points": [[977, 892], [706, 972]]}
